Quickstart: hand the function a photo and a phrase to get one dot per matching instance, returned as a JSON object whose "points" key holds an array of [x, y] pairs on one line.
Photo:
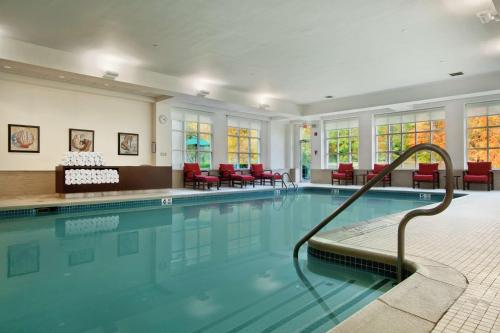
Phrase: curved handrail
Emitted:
{"points": [[410, 215], [283, 184]]}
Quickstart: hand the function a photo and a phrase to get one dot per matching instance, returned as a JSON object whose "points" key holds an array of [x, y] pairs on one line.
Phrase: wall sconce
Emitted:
{"points": [[203, 93]]}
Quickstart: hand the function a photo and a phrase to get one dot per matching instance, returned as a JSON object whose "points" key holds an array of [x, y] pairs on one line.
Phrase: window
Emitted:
{"points": [[341, 142], [483, 133], [191, 139], [396, 132], [243, 142]]}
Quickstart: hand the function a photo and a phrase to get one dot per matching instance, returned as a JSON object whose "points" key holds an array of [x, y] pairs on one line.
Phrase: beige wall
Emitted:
{"points": [[56, 109]]}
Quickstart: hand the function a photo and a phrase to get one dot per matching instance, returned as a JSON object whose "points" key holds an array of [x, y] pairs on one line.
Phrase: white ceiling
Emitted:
{"points": [[294, 49]]}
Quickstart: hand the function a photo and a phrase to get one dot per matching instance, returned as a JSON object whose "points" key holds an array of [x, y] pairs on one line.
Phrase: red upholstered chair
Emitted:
{"points": [[345, 172], [194, 175], [258, 172], [426, 173], [229, 175], [478, 172], [377, 168]]}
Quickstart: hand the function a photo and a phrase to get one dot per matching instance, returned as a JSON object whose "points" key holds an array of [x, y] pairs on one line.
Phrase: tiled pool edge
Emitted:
{"points": [[117, 202], [414, 305]]}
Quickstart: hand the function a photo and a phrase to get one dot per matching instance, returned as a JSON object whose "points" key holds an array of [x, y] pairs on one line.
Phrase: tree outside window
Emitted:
{"points": [[483, 133], [397, 132], [342, 142], [191, 140], [243, 142]]}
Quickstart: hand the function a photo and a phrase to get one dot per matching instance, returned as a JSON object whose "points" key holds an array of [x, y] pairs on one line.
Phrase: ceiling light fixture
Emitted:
{"points": [[488, 16], [7, 67], [328, 96], [457, 74], [202, 93], [61, 76], [110, 75]]}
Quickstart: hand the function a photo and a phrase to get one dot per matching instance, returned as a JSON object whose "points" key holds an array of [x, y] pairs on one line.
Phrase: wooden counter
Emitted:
{"points": [[132, 178]]}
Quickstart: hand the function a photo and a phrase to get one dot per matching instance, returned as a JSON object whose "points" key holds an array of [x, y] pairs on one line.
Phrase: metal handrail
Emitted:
{"points": [[410, 215], [283, 184]]}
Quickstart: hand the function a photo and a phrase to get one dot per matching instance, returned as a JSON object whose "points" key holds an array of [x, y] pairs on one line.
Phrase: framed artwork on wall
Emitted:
{"points": [[24, 138], [81, 140], [128, 144]]}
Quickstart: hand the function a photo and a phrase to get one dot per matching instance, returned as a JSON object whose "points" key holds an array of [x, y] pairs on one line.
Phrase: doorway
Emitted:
{"points": [[305, 153]]}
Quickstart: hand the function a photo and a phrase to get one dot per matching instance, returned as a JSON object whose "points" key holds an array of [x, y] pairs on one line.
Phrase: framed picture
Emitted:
{"points": [[23, 259], [128, 144], [128, 243], [24, 139], [81, 140]]}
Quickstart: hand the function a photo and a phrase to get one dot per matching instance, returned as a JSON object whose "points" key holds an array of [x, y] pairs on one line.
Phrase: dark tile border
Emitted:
{"points": [[358, 263]]}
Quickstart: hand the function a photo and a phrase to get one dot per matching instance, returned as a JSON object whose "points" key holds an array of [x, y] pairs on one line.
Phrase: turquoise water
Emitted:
{"points": [[215, 266]]}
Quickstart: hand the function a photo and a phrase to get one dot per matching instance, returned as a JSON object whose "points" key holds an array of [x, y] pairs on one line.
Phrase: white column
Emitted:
{"points": [[455, 133], [163, 133]]}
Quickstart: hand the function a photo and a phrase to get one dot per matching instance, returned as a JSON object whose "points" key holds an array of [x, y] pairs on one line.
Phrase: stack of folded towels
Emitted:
{"points": [[82, 159], [91, 176], [87, 176]]}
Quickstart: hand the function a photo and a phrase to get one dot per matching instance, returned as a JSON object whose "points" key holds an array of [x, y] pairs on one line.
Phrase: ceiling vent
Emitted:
{"points": [[457, 74]]}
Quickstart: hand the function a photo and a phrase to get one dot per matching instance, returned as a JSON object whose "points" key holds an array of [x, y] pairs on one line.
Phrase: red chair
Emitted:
{"points": [[229, 175], [258, 172], [478, 172], [377, 168], [345, 172], [193, 174], [427, 173]]}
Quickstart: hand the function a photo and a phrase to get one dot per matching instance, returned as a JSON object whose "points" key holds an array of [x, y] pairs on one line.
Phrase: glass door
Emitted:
{"points": [[305, 153]]}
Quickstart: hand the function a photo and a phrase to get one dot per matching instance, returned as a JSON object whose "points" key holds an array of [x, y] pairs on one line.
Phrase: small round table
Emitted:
{"points": [[456, 181], [363, 177]]}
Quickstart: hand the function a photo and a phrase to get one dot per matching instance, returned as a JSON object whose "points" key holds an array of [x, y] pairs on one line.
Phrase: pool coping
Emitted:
{"points": [[413, 306]]}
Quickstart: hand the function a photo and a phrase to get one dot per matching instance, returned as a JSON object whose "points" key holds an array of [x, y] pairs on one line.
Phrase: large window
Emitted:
{"points": [[243, 142], [191, 139], [483, 133], [396, 132], [342, 142]]}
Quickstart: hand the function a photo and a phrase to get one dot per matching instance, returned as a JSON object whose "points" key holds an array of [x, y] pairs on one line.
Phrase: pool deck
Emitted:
{"points": [[466, 237]]}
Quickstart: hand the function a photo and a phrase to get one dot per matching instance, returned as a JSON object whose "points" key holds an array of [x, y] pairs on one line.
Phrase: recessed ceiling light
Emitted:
{"points": [[456, 74], [7, 67], [328, 96], [61, 76]]}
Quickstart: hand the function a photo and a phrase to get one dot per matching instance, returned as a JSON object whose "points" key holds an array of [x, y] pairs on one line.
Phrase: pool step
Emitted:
{"points": [[293, 311]]}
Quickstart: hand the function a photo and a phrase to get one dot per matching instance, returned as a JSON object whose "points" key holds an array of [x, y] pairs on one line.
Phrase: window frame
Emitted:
{"points": [[488, 128], [239, 137], [184, 132], [349, 138], [389, 134]]}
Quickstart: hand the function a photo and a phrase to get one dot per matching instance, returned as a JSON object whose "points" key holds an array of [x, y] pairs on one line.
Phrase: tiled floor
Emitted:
{"points": [[465, 237]]}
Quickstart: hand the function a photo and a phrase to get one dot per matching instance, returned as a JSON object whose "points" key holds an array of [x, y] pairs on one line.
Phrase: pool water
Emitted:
{"points": [[211, 265]]}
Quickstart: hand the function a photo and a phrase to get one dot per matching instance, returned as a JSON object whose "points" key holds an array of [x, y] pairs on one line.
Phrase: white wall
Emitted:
{"points": [[55, 110]]}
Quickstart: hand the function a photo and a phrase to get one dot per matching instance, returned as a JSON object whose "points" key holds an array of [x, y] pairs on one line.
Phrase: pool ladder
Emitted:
{"points": [[290, 181], [410, 215]]}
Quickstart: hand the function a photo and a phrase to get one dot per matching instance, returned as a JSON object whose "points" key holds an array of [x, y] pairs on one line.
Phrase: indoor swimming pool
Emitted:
{"points": [[209, 264]]}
